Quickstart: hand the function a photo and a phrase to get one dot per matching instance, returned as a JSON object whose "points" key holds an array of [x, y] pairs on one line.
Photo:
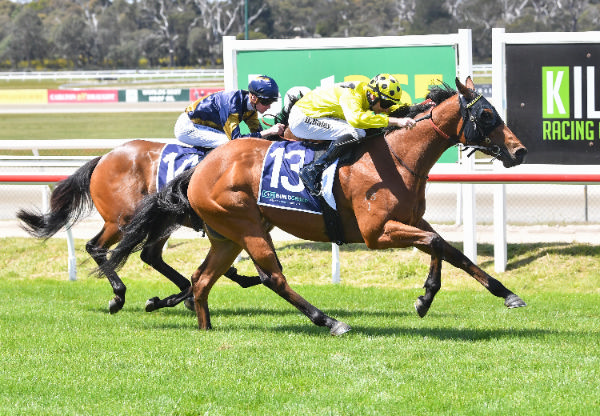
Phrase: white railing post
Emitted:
{"points": [[335, 263]]}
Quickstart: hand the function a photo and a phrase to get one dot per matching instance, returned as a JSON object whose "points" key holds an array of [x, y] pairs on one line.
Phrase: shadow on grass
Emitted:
{"points": [[402, 324], [520, 255], [438, 333]]}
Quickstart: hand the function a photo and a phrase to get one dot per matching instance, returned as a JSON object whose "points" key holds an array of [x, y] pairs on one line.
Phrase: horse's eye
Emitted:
{"points": [[487, 117]]}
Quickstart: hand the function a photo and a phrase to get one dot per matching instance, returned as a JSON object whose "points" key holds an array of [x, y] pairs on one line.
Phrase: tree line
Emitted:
{"points": [[111, 34]]}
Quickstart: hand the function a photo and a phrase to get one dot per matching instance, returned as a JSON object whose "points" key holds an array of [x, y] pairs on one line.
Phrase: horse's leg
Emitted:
{"points": [[152, 255], [433, 283], [458, 259], [221, 255], [398, 235], [262, 252], [97, 248]]}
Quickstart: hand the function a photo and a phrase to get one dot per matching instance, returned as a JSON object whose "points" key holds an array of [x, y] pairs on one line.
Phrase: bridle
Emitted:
{"points": [[474, 129]]}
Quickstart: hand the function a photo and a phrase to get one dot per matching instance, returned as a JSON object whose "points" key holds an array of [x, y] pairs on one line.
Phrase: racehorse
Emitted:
{"points": [[380, 199], [114, 183]]}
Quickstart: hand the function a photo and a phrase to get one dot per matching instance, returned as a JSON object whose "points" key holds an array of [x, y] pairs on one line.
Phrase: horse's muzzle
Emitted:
{"points": [[516, 158]]}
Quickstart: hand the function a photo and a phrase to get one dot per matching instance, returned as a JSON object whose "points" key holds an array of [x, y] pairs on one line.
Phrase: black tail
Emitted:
{"points": [[70, 201], [155, 218]]}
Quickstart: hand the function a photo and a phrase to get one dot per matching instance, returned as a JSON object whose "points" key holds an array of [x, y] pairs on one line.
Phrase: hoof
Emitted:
{"points": [[513, 301], [421, 307], [151, 304], [339, 328], [189, 303], [115, 305]]}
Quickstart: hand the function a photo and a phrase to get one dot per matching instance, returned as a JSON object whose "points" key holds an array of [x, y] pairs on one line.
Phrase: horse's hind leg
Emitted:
{"points": [[220, 256], [152, 255], [97, 248], [263, 254]]}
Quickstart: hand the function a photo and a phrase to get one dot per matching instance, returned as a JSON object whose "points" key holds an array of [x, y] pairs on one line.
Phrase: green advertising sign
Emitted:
{"points": [[415, 67]]}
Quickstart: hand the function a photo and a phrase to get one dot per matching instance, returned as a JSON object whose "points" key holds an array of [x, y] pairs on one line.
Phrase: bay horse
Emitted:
{"points": [[115, 183], [380, 198]]}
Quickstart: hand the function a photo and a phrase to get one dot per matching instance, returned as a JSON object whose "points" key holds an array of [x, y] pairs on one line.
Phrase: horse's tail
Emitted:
{"points": [[155, 218], [70, 201]]}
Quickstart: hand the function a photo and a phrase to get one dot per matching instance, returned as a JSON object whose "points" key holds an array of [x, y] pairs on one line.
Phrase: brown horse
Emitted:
{"points": [[114, 183], [380, 198]]}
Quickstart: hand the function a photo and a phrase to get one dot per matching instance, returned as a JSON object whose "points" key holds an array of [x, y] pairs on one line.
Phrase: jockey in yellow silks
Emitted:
{"points": [[341, 113]]}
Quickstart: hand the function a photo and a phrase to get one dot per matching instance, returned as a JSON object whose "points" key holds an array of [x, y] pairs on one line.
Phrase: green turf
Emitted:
{"points": [[62, 353], [87, 126]]}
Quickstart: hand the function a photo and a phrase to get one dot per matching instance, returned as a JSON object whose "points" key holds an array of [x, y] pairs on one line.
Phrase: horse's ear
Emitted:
{"points": [[466, 90], [470, 84]]}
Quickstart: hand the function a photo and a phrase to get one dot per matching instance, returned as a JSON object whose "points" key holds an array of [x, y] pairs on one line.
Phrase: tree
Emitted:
{"points": [[218, 18], [161, 13], [26, 41], [74, 40]]}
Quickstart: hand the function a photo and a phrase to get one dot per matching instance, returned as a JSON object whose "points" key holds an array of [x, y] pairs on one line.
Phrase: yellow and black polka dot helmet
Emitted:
{"points": [[387, 90]]}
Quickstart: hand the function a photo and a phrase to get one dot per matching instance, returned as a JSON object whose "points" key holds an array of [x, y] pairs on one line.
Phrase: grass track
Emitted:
{"points": [[87, 126], [62, 353]]}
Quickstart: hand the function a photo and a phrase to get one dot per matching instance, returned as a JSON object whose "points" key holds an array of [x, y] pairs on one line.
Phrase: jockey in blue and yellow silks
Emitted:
{"points": [[215, 119]]}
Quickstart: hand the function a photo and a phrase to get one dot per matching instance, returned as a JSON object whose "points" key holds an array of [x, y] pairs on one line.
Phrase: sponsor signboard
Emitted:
{"points": [[302, 65], [83, 96], [553, 101], [163, 95], [197, 93], [24, 96]]}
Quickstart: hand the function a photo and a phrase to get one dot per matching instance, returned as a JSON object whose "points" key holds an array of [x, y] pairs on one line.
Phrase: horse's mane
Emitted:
{"points": [[436, 95]]}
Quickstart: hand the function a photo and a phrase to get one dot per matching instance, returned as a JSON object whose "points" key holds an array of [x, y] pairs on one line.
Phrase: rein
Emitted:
{"points": [[429, 117], [435, 127]]}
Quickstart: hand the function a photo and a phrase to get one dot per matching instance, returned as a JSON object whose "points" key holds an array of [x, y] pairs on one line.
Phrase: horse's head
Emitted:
{"points": [[483, 129]]}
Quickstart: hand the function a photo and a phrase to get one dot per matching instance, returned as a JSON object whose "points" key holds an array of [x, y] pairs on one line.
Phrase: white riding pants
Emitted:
{"points": [[324, 128], [197, 134]]}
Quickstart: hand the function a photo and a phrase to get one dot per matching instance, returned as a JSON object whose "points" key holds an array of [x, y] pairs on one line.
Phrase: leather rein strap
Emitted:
{"points": [[439, 131]]}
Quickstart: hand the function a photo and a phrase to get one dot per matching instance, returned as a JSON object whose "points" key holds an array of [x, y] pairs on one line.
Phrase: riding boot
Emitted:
{"points": [[311, 173]]}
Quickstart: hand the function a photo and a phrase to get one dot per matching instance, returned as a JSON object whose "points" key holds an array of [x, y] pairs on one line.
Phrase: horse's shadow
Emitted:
{"points": [[519, 255]]}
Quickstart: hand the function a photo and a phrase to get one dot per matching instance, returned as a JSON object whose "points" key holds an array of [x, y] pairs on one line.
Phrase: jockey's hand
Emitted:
{"points": [[405, 122], [276, 129]]}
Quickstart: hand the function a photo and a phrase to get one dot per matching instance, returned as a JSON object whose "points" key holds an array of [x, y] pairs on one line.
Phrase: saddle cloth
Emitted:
{"points": [[175, 159], [280, 185]]}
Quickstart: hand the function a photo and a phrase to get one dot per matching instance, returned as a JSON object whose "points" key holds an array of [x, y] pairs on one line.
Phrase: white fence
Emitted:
{"points": [[493, 177], [133, 74], [216, 74]]}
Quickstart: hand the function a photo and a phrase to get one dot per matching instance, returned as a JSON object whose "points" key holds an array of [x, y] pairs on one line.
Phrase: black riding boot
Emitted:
{"points": [[311, 173]]}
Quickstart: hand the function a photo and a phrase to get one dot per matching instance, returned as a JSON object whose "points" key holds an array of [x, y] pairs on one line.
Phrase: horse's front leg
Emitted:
{"points": [[459, 260], [433, 283], [398, 235]]}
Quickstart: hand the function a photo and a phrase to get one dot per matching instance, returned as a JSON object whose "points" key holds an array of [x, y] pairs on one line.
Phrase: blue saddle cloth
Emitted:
{"points": [[280, 185], [175, 159]]}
